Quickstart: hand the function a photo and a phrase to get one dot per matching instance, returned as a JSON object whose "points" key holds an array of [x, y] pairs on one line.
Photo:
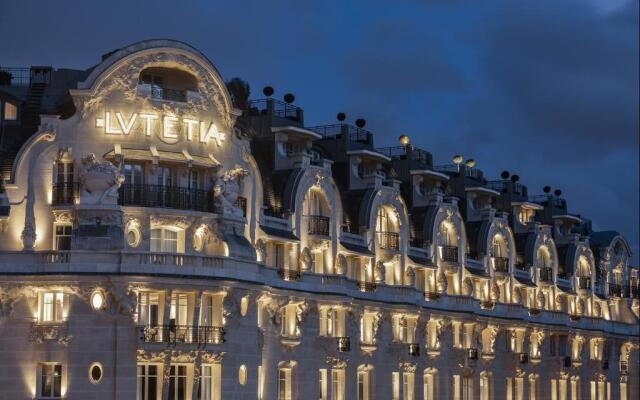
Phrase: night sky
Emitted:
{"points": [[546, 89]]}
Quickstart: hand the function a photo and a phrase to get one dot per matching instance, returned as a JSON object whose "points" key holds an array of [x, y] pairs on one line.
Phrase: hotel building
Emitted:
{"points": [[157, 242]]}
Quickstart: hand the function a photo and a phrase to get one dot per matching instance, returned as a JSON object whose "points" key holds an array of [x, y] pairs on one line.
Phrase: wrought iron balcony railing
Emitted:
{"points": [[318, 225], [344, 344], [367, 286], [275, 108], [241, 203], [389, 240], [546, 274], [289, 274], [450, 254], [584, 282], [64, 193], [181, 334], [162, 93], [165, 197], [615, 290], [501, 264]]}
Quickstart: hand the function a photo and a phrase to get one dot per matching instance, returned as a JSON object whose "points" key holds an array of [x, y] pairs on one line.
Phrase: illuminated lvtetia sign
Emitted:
{"points": [[167, 127]]}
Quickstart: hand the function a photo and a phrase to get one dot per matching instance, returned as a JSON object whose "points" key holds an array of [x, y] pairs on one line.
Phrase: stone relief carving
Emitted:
{"points": [[28, 235], [99, 181], [225, 191], [541, 299], [409, 276], [379, 272], [41, 333], [442, 282], [407, 367], [261, 250], [341, 265], [517, 295], [306, 259], [336, 362], [494, 293], [62, 217], [467, 287], [133, 231]]}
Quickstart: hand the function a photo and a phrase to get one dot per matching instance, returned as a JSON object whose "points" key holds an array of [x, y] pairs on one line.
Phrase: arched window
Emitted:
{"points": [[448, 234], [543, 257], [499, 247]]}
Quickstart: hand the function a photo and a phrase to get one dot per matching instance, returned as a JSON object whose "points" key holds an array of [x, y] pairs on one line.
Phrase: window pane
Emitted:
{"points": [[10, 112]]}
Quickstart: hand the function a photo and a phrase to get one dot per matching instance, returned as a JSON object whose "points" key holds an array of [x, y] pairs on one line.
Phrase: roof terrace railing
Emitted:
{"points": [[463, 170], [502, 186], [277, 108], [24, 76], [354, 133], [406, 153], [544, 199]]}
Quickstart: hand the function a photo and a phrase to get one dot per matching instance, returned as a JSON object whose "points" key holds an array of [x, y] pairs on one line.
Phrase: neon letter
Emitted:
{"points": [[126, 128], [147, 125], [108, 128]]}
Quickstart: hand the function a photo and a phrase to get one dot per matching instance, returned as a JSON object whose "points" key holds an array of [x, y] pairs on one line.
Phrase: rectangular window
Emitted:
{"points": [[210, 378], [148, 383], [485, 388], [429, 386], [322, 383], [50, 376], [165, 241], [519, 389], [337, 384], [148, 308], [623, 391], [179, 313], [62, 238], [408, 385], [178, 382], [363, 385], [456, 331], [554, 389], [467, 388], [284, 384], [10, 111], [562, 389], [395, 386], [51, 306], [533, 392], [575, 389]]}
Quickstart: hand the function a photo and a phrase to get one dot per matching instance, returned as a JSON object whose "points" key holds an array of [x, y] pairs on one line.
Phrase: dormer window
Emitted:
{"points": [[167, 84]]}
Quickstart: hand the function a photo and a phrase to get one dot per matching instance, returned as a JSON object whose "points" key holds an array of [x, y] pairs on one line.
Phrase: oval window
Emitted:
{"points": [[242, 375], [95, 373]]}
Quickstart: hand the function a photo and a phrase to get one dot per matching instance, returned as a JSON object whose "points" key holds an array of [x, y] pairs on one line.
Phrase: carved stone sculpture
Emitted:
{"points": [[442, 282], [306, 259], [341, 265], [379, 272], [541, 300], [409, 276], [225, 191], [99, 181]]}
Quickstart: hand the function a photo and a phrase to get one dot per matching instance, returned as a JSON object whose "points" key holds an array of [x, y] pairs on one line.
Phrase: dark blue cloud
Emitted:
{"points": [[547, 89]]}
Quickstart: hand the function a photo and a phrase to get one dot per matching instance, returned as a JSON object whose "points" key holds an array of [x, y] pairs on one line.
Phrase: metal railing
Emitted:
{"points": [[462, 170], [64, 193], [545, 199], [344, 344], [289, 274], [181, 334], [389, 240], [503, 185], [584, 282], [501, 264], [162, 93], [355, 134], [275, 107], [546, 274], [615, 290], [563, 275], [165, 197], [367, 286], [406, 153], [24, 76], [450, 254], [431, 295], [413, 349], [318, 225]]}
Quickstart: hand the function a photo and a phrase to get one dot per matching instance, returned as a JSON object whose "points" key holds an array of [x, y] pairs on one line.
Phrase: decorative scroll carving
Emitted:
{"points": [[28, 235], [407, 367], [336, 362], [261, 250], [41, 333], [62, 217]]}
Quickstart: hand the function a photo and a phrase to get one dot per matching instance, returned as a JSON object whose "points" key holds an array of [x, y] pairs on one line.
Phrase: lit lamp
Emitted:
{"points": [[404, 140], [457, 160], [470, 163], [97, 300]]}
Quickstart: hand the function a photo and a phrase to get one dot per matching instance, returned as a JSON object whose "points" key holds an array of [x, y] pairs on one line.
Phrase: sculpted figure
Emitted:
{"points": [[225, 191], [99, 181]]}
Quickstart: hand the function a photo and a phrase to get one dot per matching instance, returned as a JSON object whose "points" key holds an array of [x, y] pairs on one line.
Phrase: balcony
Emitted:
{"points": [[501, 264], [546, 274], [615, 290], [584, 282], [354, 134], [289, 274], [413, 349], [344, 344], [159, 196], [369, 287], [318, 225], [275, 108], [431, 295], [449, 257], [182, 334], [64, 193], [158, 92], [389, 240]]}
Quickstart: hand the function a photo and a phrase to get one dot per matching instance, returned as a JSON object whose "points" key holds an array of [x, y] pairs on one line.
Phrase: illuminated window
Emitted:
{"points": [[395, 386], [462, 387], [148, 308], [429, 385], [322, 384], [209, 383], [456, 331], [50, 381], [178, 382], [10, 111], [211, 310], [284, 384], [365, 382], [408, 385], [165, 240], [337, 384], [62, 237], [404, 329], [289, 318], [148, 385], [51, 307], [485, 386], [533, 387], [179, 313]]}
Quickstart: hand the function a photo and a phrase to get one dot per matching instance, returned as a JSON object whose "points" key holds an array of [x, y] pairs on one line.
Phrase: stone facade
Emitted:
{"points": [[157, 243]]}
